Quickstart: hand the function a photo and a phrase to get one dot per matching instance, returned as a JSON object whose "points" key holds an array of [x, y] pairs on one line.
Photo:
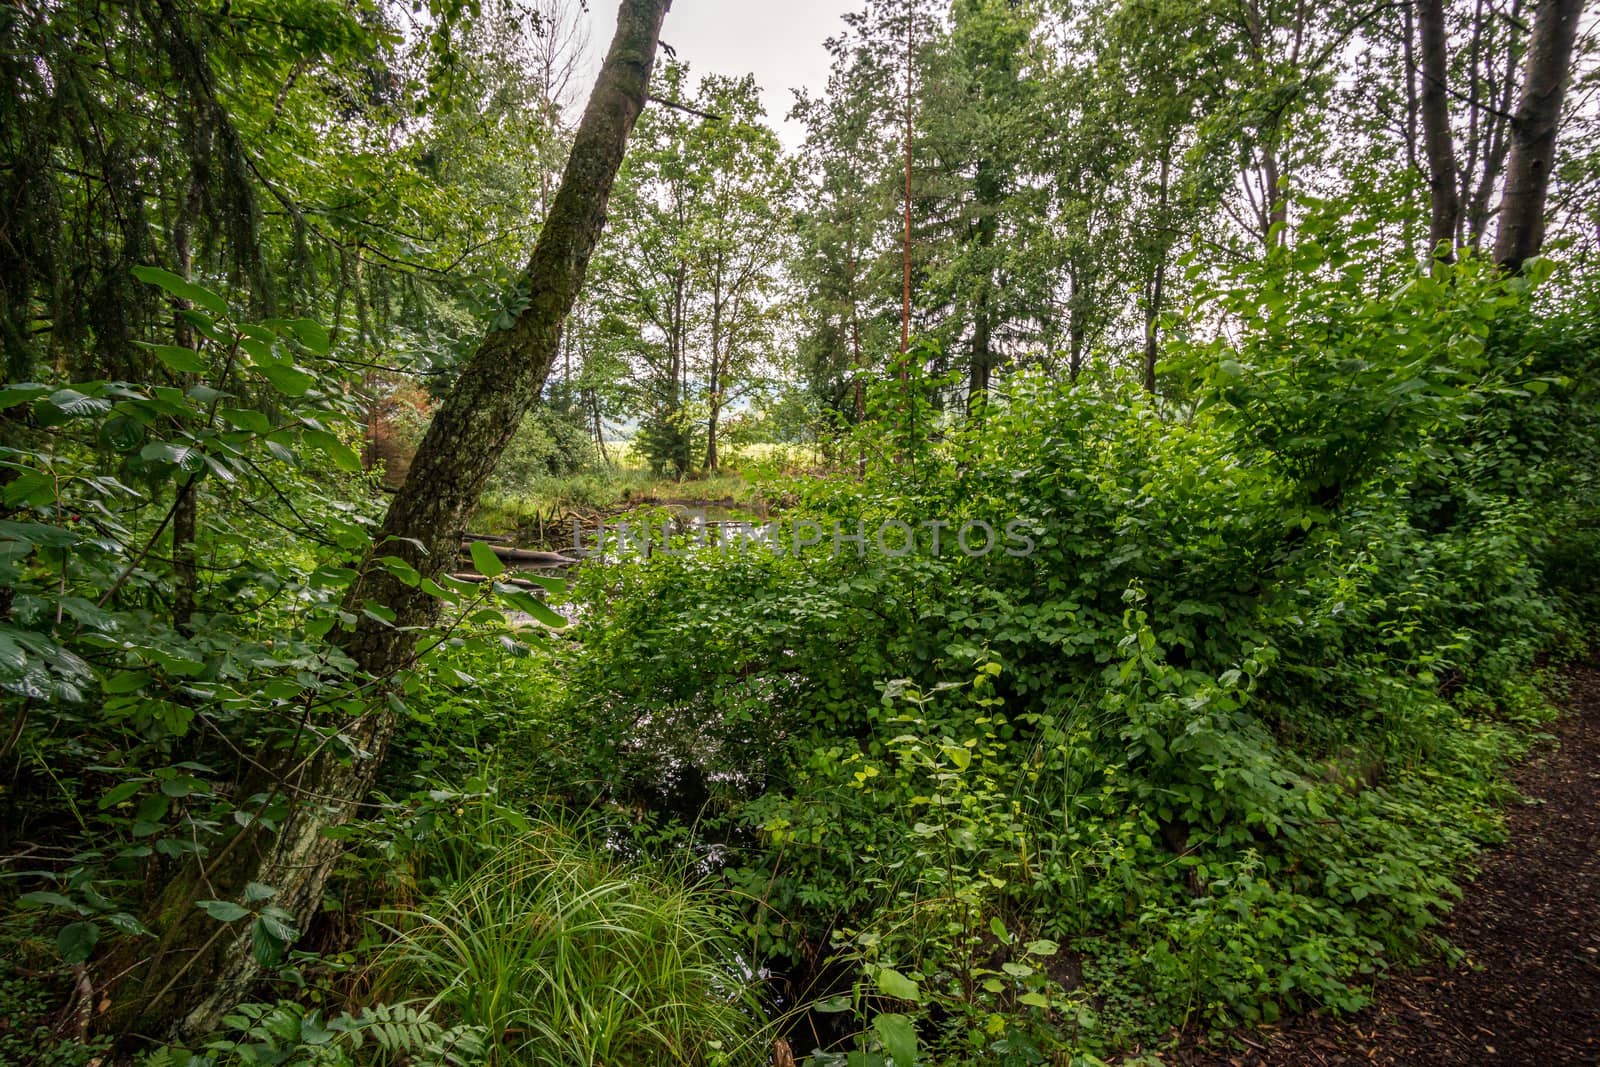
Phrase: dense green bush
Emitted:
{"points": [[1220, 741], [1206, 734], [666, 439], [547, 444]]}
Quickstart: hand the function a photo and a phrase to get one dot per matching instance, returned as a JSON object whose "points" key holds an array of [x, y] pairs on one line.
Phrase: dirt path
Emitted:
{"points": [[1528, 993]]}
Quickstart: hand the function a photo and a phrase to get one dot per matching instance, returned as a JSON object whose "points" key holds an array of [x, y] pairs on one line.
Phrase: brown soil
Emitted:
{"points": [[1528, 990]]}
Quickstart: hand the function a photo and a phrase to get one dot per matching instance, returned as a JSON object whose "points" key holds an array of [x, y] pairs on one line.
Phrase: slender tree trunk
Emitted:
{"points": [[1438, 141], [186, 509], [855, 352], [1533, 133], [714, 385], [1152, 312], [1277, 203], [987, 187], [905, 314], [201, 967], [1152, 328], [1074, 327], [982, 358], [1498, 134]]}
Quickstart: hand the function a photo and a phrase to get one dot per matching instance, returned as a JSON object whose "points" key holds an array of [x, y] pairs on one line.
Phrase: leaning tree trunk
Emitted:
{"points": [[1533, 133], [1437, 140], [201, 967]]}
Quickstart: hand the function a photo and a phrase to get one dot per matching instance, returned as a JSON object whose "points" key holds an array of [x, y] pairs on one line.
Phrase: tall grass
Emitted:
{"points": [[568, 958]]}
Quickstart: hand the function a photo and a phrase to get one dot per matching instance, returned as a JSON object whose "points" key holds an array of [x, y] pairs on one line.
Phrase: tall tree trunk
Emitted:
{"points": [[599, 426], [1152, 327], [982, 358], [1277, 203], [1074, 326], [714, 383], [1533, 133], [186, 509], [1438, 141], [202, 967], [1153, 296], [855, 352], [987, 188], [905, 313]]}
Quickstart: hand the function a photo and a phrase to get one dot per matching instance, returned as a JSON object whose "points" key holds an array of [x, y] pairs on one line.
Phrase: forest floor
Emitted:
{"points": [[1528, 988]]}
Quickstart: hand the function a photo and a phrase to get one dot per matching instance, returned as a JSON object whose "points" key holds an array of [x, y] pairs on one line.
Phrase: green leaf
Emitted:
{"points": [[267, 950], [531, 605], [245, 419], [308, 332], [127, 924], [287, 380], [343, 456], [118, 793], [124, 682], [1035, 999], [76, 404], [47, 899], [484, 559], [899, 1038], [184, 457], [178, 359], [76, 941], [225, 911], [405, 572], [21, 393], [197, 295], [312, 1032], [894, 984], [280, 924]]}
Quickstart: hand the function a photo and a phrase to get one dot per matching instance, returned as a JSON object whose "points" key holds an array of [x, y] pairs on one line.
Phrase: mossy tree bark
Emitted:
{"points": [[201, 967]]}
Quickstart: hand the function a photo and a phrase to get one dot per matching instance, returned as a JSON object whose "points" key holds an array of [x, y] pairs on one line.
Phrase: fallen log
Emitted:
{"points": [[527, 555], [520, 583]]}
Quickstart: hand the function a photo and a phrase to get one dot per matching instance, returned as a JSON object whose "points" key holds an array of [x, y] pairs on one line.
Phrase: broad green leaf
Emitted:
{"points": [[21, 393], [222, 910], [405, 572], [483, 558], [287, 380], [245, 419], [74, 403], [899, 1038], [894, 984], [328, 444], [529, 604], [308, 332], [178, 359], [197, 295], [127, 924], [118, 793], [76, 941], [184, 457]]}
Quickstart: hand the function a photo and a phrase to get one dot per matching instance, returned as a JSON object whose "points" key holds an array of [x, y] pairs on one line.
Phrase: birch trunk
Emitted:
{"points": [[1533, 133]]}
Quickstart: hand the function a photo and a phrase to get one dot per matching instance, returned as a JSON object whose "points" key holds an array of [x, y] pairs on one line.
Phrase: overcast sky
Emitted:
{"points": [[779, 41]]}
